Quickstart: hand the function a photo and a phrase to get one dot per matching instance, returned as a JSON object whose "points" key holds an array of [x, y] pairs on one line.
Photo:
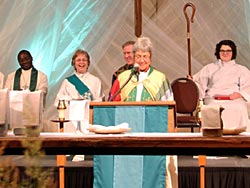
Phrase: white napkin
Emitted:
{"points": [[32, 108], [120, 126], [3, 105], [78, 158], [25, 108], [211, 117], [78, 111]]}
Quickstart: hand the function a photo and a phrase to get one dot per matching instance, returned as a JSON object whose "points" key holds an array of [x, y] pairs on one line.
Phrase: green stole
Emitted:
{"points": [[33, 79], [79, 85]]}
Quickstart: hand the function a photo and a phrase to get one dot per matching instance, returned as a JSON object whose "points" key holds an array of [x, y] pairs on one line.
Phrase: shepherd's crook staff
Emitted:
{"points": [[188, 32]]}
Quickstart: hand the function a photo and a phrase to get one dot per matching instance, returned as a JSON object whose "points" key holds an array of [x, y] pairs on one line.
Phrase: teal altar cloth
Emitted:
{"points": [[135, 171]]}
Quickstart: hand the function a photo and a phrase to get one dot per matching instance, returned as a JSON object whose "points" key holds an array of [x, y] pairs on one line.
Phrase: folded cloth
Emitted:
{"points": [[77, 158], [121, 128], [32, 108], [3, 105], [211, 117], [79, 110], [79, 114], [25, 108]]}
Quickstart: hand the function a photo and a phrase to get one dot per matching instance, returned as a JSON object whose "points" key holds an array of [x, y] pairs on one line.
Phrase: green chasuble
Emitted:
{"points": [[131, 171], [79, 85], [155, 87]]}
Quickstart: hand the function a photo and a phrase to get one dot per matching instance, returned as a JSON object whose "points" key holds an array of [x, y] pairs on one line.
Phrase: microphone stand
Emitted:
{"points": [[116, 93]]}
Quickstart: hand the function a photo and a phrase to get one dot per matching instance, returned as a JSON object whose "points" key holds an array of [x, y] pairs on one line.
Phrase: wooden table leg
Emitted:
{"points": [[202, 164], [61, 161]]}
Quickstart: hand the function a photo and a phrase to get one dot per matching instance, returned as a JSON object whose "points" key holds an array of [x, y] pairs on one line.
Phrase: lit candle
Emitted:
{"points": [[61, 110]]}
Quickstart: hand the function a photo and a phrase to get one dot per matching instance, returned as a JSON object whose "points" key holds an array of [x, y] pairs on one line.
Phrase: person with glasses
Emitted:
{"points": [[81, 84], [145, 83], [226, 83], [148, 84]]}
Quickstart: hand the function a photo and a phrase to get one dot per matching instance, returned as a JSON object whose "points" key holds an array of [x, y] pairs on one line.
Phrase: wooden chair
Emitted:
{"points": [[186, 96]]}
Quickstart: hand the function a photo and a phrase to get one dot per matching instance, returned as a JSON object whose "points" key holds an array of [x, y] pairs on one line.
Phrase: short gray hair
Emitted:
{"points": [[144, 44]]}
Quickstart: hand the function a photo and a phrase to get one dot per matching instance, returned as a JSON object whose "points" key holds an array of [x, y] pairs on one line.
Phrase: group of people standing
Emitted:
{"points": [[223, 77]]}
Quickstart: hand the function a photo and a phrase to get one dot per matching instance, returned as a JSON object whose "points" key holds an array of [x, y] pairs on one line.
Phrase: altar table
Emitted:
{"points": [[133, 144]]}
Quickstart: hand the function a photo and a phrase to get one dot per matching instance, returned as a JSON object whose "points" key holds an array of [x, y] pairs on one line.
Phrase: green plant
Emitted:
{"points": [[35, 176], [9, 174]]}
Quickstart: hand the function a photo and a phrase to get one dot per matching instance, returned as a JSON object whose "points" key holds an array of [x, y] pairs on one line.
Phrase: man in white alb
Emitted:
{"points": [[27, 76]]}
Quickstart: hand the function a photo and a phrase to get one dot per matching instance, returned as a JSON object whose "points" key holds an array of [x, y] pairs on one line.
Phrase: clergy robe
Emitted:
{"points": [[25, 81], [1, 80], [224, 78], [42, 81], [151, 86], [69, 91]]}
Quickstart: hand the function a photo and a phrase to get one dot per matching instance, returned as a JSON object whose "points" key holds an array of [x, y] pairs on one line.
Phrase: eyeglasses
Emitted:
{"points": [[79, 60], [225, 51]]}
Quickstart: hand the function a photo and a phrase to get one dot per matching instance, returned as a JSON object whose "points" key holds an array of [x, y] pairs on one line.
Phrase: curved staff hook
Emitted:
{"points": [[188, 32]]}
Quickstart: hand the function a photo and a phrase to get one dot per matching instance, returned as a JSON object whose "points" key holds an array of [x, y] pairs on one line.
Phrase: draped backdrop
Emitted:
{"points": [[53, 29]]}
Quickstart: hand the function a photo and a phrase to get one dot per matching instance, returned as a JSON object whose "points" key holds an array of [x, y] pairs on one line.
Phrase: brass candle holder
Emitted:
{"points": [[61, 107]]}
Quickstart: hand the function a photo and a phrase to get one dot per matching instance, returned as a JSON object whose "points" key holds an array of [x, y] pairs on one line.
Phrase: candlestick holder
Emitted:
{"points": [[61, 107]]}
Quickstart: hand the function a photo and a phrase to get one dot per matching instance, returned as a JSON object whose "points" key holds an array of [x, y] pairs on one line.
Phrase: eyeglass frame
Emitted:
{"points": [[226, 51]]}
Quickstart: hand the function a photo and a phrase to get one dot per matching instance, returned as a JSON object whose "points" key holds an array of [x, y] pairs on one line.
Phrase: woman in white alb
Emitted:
{"points": [[227, 84], [81, 84]]}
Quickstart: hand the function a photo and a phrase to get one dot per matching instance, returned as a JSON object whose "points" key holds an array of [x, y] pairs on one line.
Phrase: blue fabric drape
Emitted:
{"points": [[135, 171]]}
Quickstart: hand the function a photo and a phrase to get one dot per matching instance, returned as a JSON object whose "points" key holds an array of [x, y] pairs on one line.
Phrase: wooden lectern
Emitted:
{"points": [[170, 104]]}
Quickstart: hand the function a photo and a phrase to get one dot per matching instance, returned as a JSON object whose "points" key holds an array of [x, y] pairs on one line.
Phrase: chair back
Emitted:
{"points": [[186, 95]]}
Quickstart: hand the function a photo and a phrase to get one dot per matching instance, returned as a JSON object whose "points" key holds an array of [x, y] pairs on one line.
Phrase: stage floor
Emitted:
{"points": [[220, 171], [215, 161]]}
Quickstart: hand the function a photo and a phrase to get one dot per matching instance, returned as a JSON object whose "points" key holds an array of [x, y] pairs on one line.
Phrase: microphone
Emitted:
{"points": [[136, 71]]}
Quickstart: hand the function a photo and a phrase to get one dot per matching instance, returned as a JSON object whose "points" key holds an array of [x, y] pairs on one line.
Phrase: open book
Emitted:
{"points": [[222, 97]]}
